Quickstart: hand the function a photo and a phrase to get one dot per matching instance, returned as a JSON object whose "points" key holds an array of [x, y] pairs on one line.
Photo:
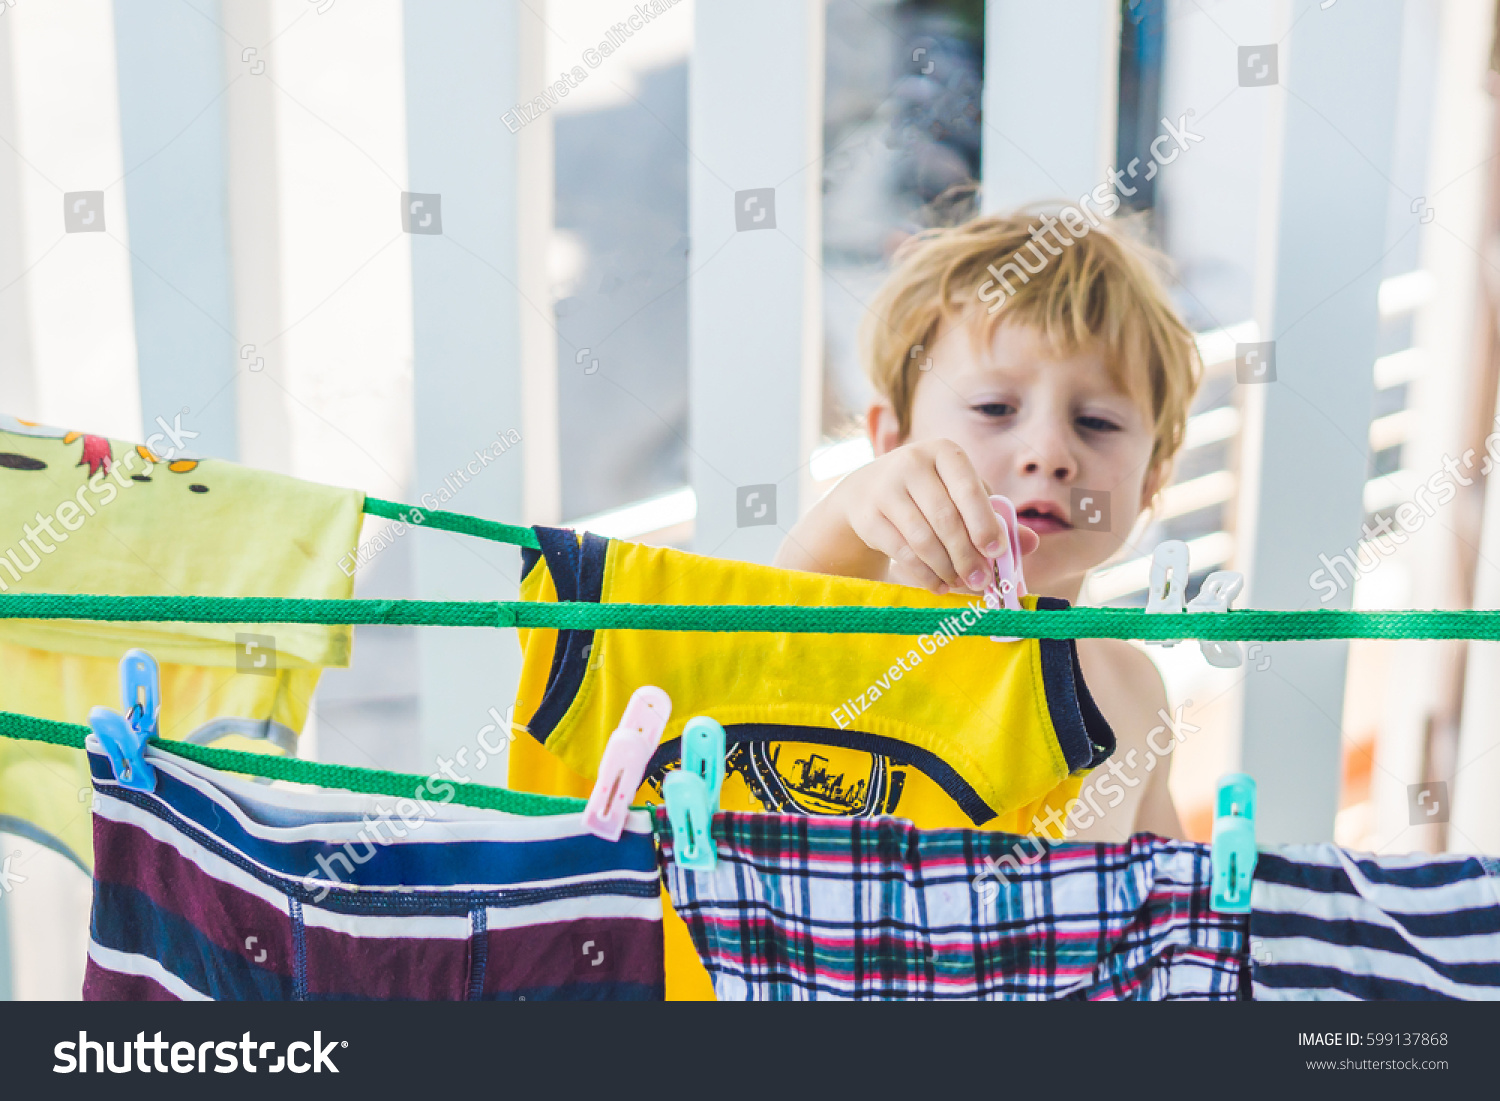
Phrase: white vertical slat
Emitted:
{"points": [[67, 348], [1457, 126], [754, 301], [1306, 434], [463, 70], [67, 136], [1051, 89], [345, 270], [17, 386], [1474, 825], [254, 200], [1465, 123], [536, 196]]}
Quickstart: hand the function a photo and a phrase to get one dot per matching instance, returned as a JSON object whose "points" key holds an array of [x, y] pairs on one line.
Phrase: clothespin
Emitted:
{"points": [[1215, 595], [1169, 578], [703, 746], [1233, 853], [690, 812], [140, 691], [692, 794], [125, 736], [1008, 583], [623, 765]]}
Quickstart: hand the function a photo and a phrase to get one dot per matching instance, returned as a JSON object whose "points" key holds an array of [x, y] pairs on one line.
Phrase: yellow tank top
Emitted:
{"points": [[949, 729]]}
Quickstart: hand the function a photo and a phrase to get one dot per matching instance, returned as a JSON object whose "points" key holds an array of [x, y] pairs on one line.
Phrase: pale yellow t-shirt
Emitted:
{"points": [[85, 514]]}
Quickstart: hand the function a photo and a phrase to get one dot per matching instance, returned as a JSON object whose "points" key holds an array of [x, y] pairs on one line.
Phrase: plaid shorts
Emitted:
{"points": [[845, 908]]}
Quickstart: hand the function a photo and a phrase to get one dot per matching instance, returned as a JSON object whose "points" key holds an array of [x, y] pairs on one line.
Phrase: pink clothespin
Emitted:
{"points": [[1009, 584], [623, 766]]}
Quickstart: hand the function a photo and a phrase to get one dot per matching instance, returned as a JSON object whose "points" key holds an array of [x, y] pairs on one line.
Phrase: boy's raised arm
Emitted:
{"points": [[919, 514]]}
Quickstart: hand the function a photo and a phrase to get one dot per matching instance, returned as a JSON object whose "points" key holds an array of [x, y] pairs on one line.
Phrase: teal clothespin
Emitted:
{"points": [[1233, 854], [690, 812], [703, 748], [125, 737]]}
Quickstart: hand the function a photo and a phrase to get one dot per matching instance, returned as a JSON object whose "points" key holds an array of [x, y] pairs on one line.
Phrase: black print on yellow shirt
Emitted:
{"points": [[796, 777], [816, 780], [823, 772]]}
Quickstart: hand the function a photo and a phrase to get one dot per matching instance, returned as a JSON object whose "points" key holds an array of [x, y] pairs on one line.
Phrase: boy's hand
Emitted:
{"points": [[924, 507]]}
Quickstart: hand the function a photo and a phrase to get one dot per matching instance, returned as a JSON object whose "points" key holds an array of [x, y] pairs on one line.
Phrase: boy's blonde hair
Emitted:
{"points": [[1101, 293]]}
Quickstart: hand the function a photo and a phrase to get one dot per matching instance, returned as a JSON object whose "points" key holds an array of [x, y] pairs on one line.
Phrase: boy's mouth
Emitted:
{"points": [[1043, 517]]}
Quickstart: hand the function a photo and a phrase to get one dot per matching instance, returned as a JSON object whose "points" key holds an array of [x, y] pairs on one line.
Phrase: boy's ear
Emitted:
{"points": [[1156, 479], [884, 427]]}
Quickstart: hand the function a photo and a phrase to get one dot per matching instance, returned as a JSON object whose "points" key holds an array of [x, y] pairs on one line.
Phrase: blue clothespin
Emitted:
{"points": [[1233, 855], [690, 812], [140, 690], [703, 747], [125, 736]]}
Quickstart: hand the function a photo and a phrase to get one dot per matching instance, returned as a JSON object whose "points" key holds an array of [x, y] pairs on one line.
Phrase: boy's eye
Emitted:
{"points": [[995, 409], [1097, 424]]}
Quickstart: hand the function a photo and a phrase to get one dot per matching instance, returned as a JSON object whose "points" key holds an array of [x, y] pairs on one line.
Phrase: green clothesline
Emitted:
{"points": [[453, 521], [1122, 623], [371, 781], [1129, 623]]}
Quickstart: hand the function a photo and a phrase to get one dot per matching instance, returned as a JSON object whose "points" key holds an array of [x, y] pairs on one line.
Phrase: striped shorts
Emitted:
{"points": [[844, 908], [214, 888], [1329, 924]]}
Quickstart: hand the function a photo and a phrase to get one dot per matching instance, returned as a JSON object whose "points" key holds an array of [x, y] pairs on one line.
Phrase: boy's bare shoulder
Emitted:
{"points": [[1128, 689], [1122, 679]]}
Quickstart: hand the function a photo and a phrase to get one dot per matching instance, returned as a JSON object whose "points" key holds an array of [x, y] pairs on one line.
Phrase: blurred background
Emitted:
{"points": [[599, 284]]}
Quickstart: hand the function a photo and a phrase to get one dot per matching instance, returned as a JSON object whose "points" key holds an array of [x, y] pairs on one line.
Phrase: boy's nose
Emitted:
{"points": [[1061, 471], [1044, 453]]}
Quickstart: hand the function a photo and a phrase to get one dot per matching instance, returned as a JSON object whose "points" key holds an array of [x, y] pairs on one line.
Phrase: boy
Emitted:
{"points": [[994, 376]]}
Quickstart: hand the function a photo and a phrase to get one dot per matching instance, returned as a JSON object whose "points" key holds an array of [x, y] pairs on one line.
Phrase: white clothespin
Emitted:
{"points": [[1215, 595], [1169, 577]]}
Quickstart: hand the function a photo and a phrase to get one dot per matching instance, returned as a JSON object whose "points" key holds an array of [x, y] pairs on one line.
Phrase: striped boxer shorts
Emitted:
{"points": [[1332, 925], [210, 887]]}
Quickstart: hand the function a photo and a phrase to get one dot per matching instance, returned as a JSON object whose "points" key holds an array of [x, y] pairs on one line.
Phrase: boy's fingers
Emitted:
{"points": [[971, 497], [922, 543], [940, 508], [925, 579], [885, 537], [1030, 540]]}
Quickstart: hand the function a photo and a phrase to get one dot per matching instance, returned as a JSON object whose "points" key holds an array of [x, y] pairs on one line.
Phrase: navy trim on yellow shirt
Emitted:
{"points": [[1083, 735], [577, 574]]}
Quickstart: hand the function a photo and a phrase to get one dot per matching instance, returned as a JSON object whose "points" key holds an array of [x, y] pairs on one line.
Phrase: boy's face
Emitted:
{"points": [[1037, 427]]}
